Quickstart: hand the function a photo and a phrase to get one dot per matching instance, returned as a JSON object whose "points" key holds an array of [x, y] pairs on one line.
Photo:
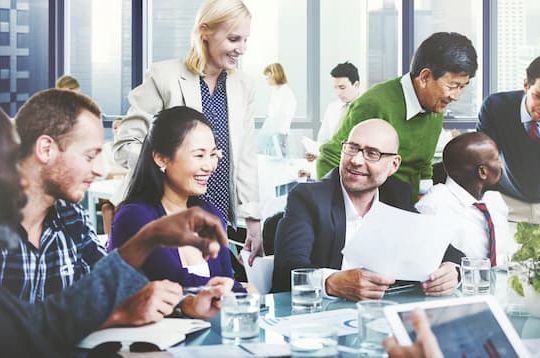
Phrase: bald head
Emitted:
{"points": [[361, 176], [381, 133], [472, 157]]}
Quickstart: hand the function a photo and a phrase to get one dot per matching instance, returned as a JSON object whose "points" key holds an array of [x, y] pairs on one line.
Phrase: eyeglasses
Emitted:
{"points": [[369, 154]]}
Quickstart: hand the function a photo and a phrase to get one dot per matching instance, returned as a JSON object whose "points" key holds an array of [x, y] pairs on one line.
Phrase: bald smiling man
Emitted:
{"points": [[320, 217]]}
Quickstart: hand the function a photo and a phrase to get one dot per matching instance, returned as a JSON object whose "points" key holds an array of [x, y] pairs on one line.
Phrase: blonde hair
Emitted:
{"points": [[276, 73], [67, 82], [211, 13]]}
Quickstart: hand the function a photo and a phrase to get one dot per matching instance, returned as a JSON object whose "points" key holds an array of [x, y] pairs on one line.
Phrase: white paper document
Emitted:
{"points": [[260, 274], [344, 320], [398, 244], [163, 334]]}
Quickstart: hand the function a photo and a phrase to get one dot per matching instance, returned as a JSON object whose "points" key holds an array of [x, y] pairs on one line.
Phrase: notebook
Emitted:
{"points": [[164, 334]]}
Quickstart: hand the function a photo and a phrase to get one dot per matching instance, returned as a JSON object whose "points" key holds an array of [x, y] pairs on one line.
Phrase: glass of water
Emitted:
{"points": [[240, 316], [372, 326], [306, 288], [475, 276], [313, 340]]}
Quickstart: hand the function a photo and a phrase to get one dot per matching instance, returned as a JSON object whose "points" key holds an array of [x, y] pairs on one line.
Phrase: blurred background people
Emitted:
{"points": [[281, 111], [68, 82]]}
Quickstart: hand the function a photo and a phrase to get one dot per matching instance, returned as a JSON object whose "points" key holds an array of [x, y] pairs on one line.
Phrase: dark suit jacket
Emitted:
{"points": [[312, 231], [500, 118]]}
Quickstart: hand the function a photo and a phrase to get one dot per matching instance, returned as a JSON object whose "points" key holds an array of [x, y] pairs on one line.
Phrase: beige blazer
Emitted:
{"points": [[167, 84]]}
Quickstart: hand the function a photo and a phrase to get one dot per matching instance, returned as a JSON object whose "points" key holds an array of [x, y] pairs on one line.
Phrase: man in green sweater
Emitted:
{"points": [[414, 105]]}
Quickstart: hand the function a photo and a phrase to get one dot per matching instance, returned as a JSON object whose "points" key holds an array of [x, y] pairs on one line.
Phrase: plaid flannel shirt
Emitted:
{"points": [[68, 250]]}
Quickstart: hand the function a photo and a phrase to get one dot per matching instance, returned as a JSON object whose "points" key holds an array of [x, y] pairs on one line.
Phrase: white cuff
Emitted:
{"points": [[326, 272], [425, 184]]}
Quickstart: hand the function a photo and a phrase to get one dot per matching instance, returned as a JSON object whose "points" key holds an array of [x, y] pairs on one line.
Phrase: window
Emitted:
{"points": [[4, 15], [4, 38], [375, 53], [98, 50], [23, 85], [278, 34], [4, 62], [23, 40], [170, 26], [23, 63], [22, 18], [518, 41], [31, 53], [465, 17]]}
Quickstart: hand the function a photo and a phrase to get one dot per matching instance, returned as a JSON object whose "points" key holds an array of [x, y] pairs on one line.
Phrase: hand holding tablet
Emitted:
{"points": [[472, 326]]}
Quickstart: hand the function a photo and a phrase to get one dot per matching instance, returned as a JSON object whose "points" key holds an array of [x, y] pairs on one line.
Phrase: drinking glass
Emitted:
{"points": [[306, 288], [240, 316], [476, 276]]}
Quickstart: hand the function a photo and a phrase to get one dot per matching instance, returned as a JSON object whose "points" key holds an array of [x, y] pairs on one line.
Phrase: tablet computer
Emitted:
{"points": [[465, 327]]}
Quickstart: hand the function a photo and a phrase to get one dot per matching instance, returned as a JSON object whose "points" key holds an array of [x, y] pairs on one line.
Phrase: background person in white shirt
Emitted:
{"points": [[347, 88], [473, 166], [281, 108]]}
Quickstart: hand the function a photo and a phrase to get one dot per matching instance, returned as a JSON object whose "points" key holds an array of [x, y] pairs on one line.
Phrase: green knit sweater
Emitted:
{"points": [[417, 136]]}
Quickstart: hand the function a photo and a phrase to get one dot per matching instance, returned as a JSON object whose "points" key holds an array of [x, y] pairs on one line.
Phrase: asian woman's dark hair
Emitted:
{"points": [[167, 133], [11, 194]]}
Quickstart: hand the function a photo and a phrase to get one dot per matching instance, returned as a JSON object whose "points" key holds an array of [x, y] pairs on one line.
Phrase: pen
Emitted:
{"points": [[195, 289]]}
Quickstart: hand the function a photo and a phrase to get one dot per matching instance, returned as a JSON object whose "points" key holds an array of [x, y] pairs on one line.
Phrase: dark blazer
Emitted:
{"points": [[500, 118], [312, 231]]}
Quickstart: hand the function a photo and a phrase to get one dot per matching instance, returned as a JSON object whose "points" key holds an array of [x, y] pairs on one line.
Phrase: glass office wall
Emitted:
{"points": [[169, 28], [365, 33], [24, 65], [465, 17], [98, 50], [518, 41]]}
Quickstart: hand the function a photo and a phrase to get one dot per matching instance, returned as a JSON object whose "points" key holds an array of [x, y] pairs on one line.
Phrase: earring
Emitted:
{"points": [[162, 169]]}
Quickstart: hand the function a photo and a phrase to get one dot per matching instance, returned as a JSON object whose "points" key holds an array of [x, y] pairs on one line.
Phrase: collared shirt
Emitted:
{"points": [[68, 250], [526, 117], [333, 116], [455, 204], [413, 107], [215, 109], [353, 223], [412, 104]]}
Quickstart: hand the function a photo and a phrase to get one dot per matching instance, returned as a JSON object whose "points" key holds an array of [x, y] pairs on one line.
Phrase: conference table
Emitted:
{"points": [[279, 305]]}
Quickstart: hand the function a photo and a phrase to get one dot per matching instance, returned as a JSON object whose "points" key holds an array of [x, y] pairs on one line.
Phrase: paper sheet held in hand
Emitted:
{"points": [[398, 244]]}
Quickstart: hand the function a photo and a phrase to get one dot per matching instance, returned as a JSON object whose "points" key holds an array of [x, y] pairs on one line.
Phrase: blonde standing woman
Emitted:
{"points": [[281, 106], [207, 80]]}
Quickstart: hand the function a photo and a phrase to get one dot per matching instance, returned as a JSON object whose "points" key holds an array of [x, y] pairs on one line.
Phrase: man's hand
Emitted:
{"points": [[193, 227], [426, 343], [154, 301], [310, 156], [357, 284], [208, 302], [253, 242], [443, 281]]}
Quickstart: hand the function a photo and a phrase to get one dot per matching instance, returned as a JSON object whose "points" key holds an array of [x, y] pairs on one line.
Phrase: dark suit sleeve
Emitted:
{"points": [[453, 255], [63, 319], [294, 239], [485, 119]]}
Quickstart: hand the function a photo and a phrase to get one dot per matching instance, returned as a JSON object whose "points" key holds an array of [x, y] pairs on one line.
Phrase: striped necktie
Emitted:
{"points": [[493, 249], [533, 130]]}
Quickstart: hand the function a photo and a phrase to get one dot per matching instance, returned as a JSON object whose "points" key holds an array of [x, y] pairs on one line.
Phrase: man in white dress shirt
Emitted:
{"points": [[347, 88], [473, 166]]}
